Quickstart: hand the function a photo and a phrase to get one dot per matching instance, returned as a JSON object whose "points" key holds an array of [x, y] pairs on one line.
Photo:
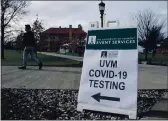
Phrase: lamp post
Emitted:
{"points": [[101, 8]]}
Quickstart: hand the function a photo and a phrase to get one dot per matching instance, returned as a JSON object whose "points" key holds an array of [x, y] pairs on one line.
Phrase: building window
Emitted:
{"points": [[52, 37], [92, 25]]}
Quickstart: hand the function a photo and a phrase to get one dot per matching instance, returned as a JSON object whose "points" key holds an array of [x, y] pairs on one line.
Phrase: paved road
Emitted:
{"points": [[149, 77]]}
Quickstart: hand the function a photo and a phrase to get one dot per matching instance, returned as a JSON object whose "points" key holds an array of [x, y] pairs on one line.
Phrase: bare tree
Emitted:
{"points": [[19, 40], [11, 11], [155, 37], [149, 30], [38, 28]]}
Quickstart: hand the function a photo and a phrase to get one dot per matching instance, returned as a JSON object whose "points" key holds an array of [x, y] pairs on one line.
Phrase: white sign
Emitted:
{"points": [[94, 25], [116, 22], [109, 73]]}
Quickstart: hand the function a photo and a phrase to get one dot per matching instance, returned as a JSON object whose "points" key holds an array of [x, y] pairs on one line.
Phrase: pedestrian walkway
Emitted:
{"points": [[149, 77], [47, 78], [63, 56], [69, 78]]}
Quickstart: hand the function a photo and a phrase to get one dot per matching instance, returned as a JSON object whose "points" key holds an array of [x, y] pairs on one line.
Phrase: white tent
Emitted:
{"points": [[140, 49]]}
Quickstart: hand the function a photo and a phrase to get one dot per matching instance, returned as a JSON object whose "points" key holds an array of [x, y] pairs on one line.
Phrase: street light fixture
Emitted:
{"points": [[101, 8]]}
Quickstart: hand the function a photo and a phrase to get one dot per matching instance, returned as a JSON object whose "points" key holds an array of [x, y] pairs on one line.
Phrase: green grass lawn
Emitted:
{"points": [[158, 59], [14, 58]]}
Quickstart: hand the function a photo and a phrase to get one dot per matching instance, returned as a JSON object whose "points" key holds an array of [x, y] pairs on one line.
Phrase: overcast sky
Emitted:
{"points": [[64, 13]]}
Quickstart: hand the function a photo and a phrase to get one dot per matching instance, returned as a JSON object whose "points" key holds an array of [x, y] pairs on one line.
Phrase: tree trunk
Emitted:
{"points": [[2, 35], [153, 53], [2, 43], [146, 55]]}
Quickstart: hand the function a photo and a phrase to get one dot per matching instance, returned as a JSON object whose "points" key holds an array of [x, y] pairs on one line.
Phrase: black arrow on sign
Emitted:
{"points": [[98, 97]]}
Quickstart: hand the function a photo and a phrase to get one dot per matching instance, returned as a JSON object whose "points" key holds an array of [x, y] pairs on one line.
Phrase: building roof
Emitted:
{"points": [[64, 31]]}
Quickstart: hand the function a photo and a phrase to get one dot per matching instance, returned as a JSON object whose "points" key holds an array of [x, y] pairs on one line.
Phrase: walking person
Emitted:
{"points": [[29, 48]]}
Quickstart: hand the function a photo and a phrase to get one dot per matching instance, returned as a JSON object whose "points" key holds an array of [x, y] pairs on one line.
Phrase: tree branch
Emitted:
{"points": [[17, 8]]}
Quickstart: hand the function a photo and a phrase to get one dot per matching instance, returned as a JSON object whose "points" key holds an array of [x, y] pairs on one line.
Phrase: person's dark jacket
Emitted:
{"points": [[29, 39]]}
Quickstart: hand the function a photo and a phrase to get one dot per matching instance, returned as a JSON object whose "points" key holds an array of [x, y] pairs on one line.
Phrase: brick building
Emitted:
{"points": [[53, 38]]}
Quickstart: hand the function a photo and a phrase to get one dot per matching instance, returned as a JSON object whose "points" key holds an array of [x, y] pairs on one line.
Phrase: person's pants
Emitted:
{"points": [[31, 51]]}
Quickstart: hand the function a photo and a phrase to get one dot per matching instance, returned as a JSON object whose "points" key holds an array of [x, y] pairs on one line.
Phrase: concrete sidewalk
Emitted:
{"points": [[47, 78], [63, 56], [149, 77]]}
